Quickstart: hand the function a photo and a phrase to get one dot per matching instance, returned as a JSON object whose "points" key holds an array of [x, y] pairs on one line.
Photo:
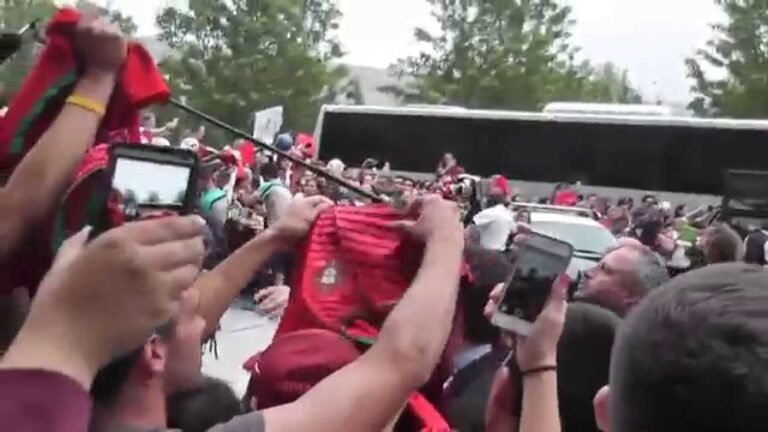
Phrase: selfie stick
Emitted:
{"points": [[297, 160]]}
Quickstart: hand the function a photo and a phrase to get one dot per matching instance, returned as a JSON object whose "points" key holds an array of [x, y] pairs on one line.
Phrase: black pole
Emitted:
{"points": [[32, 26], [319, 171]]}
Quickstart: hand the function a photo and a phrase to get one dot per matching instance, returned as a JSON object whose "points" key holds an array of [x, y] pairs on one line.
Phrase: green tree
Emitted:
{"points": [[611, 84], [347, 92], [15, 14], [511, 54], [730, 75], [235, 57], [153, 198], [126, 23], [505, 54]]}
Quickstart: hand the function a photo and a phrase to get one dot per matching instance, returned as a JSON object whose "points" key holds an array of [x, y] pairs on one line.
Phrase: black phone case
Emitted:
{"points": [[154, 154], [512, 279]]}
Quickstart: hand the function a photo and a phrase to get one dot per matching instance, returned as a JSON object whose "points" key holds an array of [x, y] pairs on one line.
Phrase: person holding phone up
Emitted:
{"points": [[41, 178], [536, 359]]}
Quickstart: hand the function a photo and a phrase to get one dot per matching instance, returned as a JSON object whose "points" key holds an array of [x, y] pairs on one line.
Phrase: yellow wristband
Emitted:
{"points": [[87, 104]]}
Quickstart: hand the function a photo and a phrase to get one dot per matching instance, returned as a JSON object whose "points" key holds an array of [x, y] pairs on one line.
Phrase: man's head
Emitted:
{"points": [[623, 277], [269, 171], [583, 359], [693, 356], [148, 120], [721, 243], [649, 200], [591, 200], [203, 407], [200, 132], [221, 177], [169, 361], [626, 202], [310, 187], [487, 268], [286, 164], [336, 167], [496, 197], [407, 185]]}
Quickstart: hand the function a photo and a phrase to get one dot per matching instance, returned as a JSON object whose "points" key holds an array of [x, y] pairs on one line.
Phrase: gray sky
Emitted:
{"points": [[650, 38]]}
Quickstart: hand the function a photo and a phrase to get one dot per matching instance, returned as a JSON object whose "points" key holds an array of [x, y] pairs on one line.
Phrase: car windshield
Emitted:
{"points": [[583, 238]]}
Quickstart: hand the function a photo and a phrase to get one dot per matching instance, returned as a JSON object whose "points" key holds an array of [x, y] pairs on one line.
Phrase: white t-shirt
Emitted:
{"points": [[495, 224]]}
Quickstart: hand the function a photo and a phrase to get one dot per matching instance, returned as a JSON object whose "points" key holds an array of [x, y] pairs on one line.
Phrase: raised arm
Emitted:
{"points": [[219, 287], [369, 393], [41, 178]]}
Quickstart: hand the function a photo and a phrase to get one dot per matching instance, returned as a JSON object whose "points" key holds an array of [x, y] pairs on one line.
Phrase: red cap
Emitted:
{"points": [[501, 184], [297, 361], [566, 198]]}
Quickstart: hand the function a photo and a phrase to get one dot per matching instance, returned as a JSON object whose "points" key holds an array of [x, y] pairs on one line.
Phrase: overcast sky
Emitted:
{"points": [[650, 38]]}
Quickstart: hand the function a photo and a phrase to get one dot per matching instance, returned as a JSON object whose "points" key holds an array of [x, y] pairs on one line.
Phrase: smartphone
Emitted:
{"points": [[143, 180], [540, 261]]}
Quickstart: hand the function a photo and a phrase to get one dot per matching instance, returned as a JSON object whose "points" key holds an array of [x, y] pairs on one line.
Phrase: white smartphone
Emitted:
{"points": [[540, 262]]}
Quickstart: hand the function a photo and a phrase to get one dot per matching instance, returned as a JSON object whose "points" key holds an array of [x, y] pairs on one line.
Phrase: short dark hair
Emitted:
{"points": [[111, 379], [725, 244], [269, 171], [203, 407], [693, 356], [583, 358], [487, 269], [495, 198], [754, 246]]}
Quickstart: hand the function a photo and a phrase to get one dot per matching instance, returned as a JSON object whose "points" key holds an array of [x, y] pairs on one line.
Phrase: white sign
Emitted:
{"points": [[267, 124]]}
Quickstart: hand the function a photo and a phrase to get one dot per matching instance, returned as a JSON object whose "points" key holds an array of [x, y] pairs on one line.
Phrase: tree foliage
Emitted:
{"points": [[730, 75], [235, 57], [125, 22], [505, 54], [15, 14], [609, 83]]}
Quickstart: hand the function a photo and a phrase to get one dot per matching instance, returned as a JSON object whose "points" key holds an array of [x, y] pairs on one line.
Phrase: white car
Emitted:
{"points": [[588, 237]]}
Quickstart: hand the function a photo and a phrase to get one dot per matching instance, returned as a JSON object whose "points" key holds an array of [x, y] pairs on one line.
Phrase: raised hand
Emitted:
{"points": [[436, 218], [102, 299], [272, 300], [100, 44], [298, 218]]}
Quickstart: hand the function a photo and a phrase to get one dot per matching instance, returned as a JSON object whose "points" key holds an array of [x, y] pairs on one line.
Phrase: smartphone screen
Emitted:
{"points": [[144, 183], [540, 261]]}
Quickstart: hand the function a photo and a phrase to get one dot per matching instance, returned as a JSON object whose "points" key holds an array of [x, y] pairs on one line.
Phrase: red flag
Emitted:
{"points": [[31, 113]]}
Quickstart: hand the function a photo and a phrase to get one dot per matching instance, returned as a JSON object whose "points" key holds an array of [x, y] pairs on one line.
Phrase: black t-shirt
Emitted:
{"points": [[755, 248], [468, 391], [253, 422]]}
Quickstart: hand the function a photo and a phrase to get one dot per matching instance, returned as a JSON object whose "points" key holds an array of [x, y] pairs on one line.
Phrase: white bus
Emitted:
{"points": [[642, 151], [608, 109]]}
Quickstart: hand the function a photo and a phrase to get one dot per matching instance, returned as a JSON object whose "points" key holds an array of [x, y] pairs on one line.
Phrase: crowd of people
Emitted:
{"points": [[111, 338]]}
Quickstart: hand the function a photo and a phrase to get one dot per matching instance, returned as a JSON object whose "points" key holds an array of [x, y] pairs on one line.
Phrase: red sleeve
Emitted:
{"points": [[37, 400]]}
